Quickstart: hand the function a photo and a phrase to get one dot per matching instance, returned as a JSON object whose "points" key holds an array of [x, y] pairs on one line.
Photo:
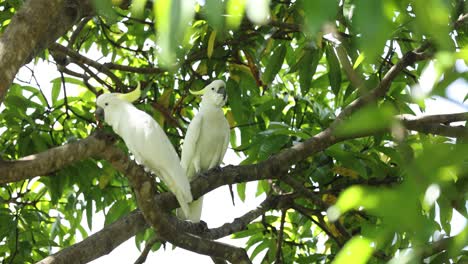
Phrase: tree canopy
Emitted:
{"points": [[321, 104]]}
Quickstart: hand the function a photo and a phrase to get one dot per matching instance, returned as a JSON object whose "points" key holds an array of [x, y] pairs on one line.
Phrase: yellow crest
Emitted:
{"points": [[202, 91], [131, 96]]}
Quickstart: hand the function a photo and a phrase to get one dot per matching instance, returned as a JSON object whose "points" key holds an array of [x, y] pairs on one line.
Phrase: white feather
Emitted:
{"points": [[148, 143], [206, 141]]}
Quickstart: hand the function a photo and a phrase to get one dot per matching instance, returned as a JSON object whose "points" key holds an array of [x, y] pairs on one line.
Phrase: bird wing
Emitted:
{"points": [[159, 155], [191, 142], [225, 143]]}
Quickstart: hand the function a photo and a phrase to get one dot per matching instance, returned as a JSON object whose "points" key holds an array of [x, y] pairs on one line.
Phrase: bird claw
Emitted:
{"points": [[217, 168], [203, 226], [203, 174]]}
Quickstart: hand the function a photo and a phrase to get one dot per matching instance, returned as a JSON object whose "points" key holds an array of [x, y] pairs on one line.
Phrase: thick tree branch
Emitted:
{"points": [[30, 31], [155, 212], [101, 243], [49, 161], [45, 163], [434, 119]]}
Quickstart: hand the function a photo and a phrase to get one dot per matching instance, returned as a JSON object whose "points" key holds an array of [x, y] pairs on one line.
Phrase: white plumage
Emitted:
{"points": [[147, 142], [206, 140]]}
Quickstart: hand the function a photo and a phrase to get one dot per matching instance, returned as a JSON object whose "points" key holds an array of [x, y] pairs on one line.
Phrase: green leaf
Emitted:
{"points": [[334, 70], [317, 12], [307, 67], [261, 247], [446, 212], [367, 120], [274, 64], [214, 10], [371, 20], [235, 12], [118, 209], [241, 190], [89, 214]]}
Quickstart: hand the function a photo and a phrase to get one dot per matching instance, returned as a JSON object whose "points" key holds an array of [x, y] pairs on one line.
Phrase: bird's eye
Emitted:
{"points": [[106, 104], [212, 88]]}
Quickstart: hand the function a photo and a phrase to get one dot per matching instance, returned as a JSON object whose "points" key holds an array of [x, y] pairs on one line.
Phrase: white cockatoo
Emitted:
{"points": [[146, 140], [206, 140]]}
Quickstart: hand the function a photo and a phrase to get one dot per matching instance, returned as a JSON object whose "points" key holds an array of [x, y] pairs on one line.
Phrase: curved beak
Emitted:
{"points": [[223, 92], [99, 114]]}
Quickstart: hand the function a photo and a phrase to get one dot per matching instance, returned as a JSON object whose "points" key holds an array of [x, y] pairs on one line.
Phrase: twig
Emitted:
{"points": [[240, 223], [353, 77], [382, 88], [65, 98], [144, 254], [460, 21], [279, 241], [298, 187], [77, 31], [320, 225], [143, 70], [76, 57], [167, 115]]}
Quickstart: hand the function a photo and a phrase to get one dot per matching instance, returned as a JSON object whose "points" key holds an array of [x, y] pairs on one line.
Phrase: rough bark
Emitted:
{"points": [[31, 30], [47, 162], [101, 243]]}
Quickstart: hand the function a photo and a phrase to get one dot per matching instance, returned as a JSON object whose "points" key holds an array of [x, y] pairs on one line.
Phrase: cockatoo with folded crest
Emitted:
{"points": [[146, 140], [206, 140]]}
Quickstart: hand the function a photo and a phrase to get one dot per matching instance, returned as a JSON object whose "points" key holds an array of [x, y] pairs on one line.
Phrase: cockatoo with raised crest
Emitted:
{"points": [[206, 140], [146, 140]]}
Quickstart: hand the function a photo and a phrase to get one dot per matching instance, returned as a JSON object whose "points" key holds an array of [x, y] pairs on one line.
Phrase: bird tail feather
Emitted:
{"points": [[184, 202], [194, 214]]}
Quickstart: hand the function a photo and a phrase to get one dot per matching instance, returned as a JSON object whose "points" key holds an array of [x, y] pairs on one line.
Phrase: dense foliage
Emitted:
{"points": [[366, 198]]}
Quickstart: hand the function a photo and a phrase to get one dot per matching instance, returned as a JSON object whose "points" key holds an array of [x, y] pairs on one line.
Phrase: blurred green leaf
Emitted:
{"points": [[367, 120], [314, 20], [370, 17], [357, 250], [334, 70]]}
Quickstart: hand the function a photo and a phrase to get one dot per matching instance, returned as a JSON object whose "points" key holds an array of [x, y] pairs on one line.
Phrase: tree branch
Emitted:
{"points": [[434, 119], [45, 163], [238, 224], [155, 212], [408, 59], [143, 70], [101, 243], [279, 242], [77, 57], [144, 254]]}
